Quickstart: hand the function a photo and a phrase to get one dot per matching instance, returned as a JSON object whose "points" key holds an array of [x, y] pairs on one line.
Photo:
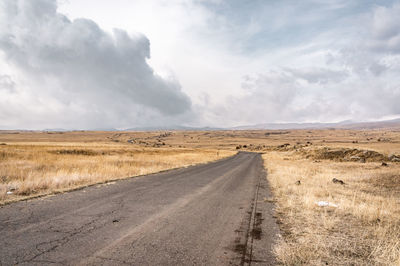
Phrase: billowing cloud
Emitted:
{"points": [[356, 77], [74, 74], [293, 95], [385, 30], [238, 62], [318, 75], [7, 85]]}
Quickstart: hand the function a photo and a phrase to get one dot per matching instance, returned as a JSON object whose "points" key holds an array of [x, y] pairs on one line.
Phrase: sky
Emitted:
{"points": [[98, 64]]}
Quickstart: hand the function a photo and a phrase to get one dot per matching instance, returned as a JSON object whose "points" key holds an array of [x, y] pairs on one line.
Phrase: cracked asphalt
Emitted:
{"points": [[211, 214]]}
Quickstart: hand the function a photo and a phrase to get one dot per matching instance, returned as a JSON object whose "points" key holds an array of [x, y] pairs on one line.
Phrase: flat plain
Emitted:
{"points": [[336, 192]]}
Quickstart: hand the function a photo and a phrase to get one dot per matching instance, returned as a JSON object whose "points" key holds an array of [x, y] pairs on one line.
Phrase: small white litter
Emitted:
{"points": [[9, 192], [326, 204]]}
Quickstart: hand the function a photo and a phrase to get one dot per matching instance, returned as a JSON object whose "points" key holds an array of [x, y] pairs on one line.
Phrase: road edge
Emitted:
{"points": [[53, 193]]}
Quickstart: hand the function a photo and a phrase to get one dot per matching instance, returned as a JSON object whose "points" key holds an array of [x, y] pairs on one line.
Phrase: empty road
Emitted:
{"points": [[211, 214]]}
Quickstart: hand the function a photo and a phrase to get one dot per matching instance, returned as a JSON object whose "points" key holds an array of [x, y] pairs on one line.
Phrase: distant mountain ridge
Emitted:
{"points": [[394, 123], [173, 128], [348, 124]]}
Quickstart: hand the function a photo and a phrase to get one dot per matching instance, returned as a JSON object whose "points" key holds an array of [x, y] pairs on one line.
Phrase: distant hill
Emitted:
{"points": [[165, 128], [389, 124], [395, 124], [348, 124]]}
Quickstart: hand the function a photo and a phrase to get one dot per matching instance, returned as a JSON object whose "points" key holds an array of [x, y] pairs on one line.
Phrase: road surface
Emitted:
{"points": [[211, 214]]}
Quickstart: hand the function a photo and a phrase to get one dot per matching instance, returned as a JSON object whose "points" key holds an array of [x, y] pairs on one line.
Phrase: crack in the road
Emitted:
{"points": [[70, 234], [58, 243]]}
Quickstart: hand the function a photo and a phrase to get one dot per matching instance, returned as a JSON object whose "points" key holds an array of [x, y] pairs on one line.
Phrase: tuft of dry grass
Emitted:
{"points": [[363, 230], [30, 169]]}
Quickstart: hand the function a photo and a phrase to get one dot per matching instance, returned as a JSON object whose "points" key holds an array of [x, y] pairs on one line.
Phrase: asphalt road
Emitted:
{"points": [[212, 214]]}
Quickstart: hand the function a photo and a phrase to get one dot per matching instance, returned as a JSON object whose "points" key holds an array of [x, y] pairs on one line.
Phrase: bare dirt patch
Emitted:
{"points": [[344, 154]]}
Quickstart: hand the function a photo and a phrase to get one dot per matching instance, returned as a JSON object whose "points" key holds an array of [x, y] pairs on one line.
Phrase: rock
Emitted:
{"points": [[12, 188], [384, 164], [326, 204], [298, 182], [357, 158], [337, 181], [394, 158]]}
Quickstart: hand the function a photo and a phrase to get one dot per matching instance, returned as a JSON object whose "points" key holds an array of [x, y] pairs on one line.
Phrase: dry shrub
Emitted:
{"points": [[363, 230], [75, 152]]}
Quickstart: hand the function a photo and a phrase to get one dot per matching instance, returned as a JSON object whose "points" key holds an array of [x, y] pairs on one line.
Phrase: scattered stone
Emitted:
{"points": [[238, 147], [326, 204], [355, 158], [362, 160], [283, 146], [115, 221], [270, 199], [384, 164], [298, 182], [337, 181], [394, 158]]}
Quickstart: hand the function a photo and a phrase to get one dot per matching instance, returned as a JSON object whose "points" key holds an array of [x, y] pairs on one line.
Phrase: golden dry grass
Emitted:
{"points": [[363, 230], [29, 169]]}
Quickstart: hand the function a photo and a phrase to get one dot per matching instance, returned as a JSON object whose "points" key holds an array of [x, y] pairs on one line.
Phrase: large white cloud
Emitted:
{"points": [[385, 30], [292, 95], [70, 74], [340, 74], [239, 62]]}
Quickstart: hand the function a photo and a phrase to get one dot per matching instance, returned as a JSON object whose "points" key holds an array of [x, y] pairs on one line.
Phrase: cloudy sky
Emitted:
{"points": [[87, 64]]}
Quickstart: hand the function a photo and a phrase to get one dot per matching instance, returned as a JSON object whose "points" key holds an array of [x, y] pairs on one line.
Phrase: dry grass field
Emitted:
{"points": [[33, 164], [358, 177], [361, 227]]}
